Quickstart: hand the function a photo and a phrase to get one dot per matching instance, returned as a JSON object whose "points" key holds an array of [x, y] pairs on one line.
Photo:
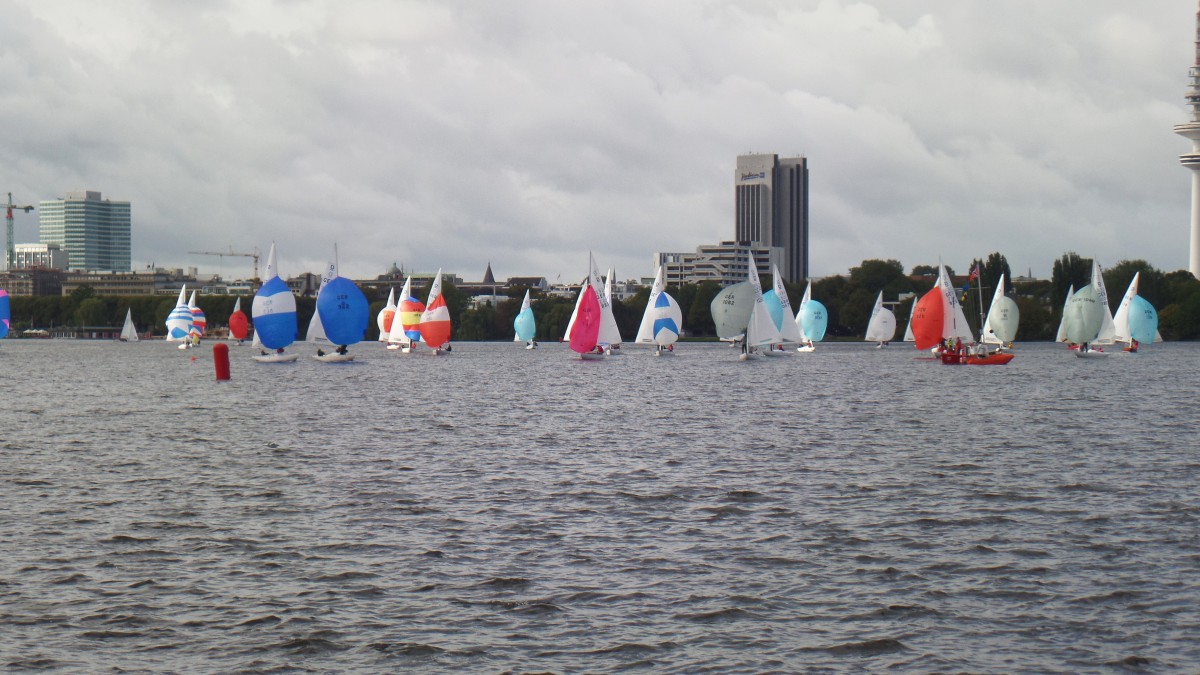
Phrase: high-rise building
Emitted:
{"points": [[771, 208], [95, 232], [1191, 160]]}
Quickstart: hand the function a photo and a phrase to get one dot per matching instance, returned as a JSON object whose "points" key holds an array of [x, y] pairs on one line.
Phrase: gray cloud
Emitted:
{"points": [[526, 134]]}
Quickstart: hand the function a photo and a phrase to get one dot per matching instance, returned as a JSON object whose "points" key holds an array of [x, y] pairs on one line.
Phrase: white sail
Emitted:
{"points": [[908, 334], [1001, 325], [761, 330], [1062, 323], [799, 321], [128, 332], [954, 321], [381, 318], [396, 335], [645, 332], [1108, 330], [882, 325], [663, 320], [788, 330], [609, 333], [1121, 318], [316, 332]]}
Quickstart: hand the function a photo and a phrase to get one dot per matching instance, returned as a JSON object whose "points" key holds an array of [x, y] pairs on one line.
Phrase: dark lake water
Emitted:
{"points": [[503, 510]]}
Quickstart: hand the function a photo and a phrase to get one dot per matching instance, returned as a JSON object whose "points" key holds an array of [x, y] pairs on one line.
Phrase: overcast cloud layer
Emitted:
{"points": [[451, 134]]}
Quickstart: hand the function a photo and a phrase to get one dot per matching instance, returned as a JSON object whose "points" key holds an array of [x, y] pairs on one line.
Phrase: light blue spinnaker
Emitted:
{"points": [[815, 319], [524, 324], [1143, 320]]}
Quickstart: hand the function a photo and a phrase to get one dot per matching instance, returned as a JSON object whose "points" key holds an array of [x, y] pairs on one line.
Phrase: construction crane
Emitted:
{"points": [[10, 253], [221, 254]]}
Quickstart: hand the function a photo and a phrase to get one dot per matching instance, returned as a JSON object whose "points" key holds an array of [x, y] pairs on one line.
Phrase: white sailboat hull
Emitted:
{"points": [[276, 358]]}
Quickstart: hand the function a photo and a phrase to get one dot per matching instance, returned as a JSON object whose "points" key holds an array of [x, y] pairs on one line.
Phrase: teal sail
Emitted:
{"points": [[1143, 320], [814, 320]]}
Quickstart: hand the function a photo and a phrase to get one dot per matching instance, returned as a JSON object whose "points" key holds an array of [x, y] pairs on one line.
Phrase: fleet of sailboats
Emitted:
{"points": [[742, 314]]}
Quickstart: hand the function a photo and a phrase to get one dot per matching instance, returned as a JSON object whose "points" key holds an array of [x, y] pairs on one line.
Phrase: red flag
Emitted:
{"points": [[974, 274]]}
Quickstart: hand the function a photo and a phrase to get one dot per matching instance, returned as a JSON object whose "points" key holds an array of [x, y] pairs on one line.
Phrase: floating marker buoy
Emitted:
{"points": [[220, 360]]}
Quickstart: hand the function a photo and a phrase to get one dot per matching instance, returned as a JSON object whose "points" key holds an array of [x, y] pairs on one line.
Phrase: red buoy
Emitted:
{"points": [[221, 360]]}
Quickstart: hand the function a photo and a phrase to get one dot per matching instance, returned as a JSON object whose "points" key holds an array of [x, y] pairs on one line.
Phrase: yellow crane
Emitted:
{"points": [[221, 254]]}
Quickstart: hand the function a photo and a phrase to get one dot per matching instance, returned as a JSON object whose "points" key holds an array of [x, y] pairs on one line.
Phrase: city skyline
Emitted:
{"points": [[528, 135]]}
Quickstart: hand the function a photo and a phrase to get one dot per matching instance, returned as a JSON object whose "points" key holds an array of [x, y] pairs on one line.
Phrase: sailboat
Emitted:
{"points": [[5, 314], [179, 321], [316, 330], [524, 325], [908, 333], [610, 335], [1000, 327], [1087, 320], [1108, 329], [344, 312], [741, 316], [881, 327], [1136, 320], [386, 316], [662, 321], [406, 325], [239, 324], [199, 322], [780, 309], [274, 310], [938, 318], [583, 328], [812, 319], [128, 331], [435, 320]]}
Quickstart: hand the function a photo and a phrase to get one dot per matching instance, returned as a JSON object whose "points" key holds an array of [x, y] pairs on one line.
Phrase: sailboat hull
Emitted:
{"points": [[334, 357], [276, 358], [993, 359], [1089, 354]]}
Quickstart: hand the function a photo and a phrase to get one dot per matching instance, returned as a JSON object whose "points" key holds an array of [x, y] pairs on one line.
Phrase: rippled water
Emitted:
{"points": [[503, 510]]}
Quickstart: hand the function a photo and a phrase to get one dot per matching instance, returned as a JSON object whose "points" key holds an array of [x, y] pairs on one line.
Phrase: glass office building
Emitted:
{"points": [[94, 232]]}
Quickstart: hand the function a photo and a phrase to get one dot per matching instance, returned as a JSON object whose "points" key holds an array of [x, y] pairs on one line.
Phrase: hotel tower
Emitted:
{"points": [[1191, 160]]}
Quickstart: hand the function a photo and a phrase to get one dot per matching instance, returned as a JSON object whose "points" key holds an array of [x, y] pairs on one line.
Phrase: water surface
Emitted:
{"points": [[499, 509]]}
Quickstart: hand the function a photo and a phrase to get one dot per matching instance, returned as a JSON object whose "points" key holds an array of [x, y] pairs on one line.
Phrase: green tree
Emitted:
{"points": [[1069, 270], [699, 320], [93, 312]]}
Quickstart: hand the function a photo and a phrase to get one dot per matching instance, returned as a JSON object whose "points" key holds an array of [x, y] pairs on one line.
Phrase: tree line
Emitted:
{"points": [[848, 298]]}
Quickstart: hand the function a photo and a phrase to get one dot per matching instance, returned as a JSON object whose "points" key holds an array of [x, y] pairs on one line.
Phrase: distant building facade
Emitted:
{"points": [[157, 282], [725, 263], [771, 209], [44, 256], [33, 281], [95, 232]]}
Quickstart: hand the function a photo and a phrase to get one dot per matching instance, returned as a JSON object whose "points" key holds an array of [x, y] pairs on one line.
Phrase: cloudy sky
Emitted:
{"points": [[526, 133]]}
